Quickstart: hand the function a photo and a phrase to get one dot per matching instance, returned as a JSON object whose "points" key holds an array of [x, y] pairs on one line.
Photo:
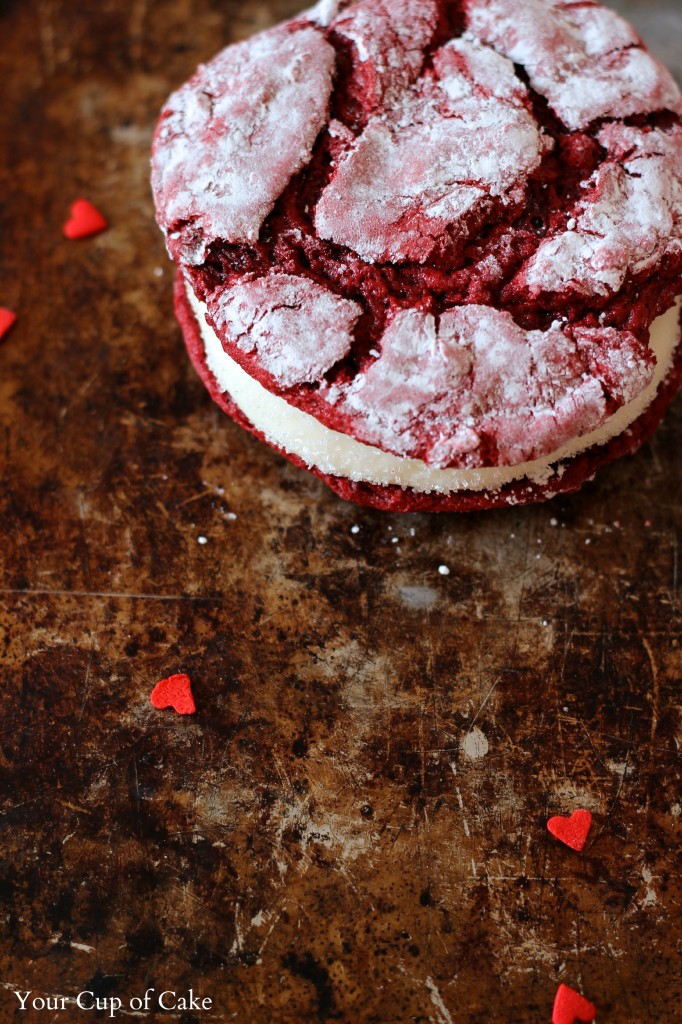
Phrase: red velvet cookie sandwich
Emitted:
{"points": [[430, 250]]}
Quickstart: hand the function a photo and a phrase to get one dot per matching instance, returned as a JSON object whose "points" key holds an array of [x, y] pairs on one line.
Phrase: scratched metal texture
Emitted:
{"points": [[352, 827]]}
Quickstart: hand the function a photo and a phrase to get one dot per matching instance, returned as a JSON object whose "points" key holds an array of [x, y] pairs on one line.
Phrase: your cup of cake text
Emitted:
{"points": [[113, 1005]]}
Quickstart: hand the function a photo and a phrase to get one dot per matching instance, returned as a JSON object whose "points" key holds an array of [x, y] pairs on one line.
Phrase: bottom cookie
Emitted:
{"points": [[567, 475]]}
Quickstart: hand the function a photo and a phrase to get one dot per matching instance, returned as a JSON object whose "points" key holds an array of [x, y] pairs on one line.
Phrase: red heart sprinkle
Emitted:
{"points": [[7, 319], [572, 831], [570, 1006], [174, 692], [85, 220]]}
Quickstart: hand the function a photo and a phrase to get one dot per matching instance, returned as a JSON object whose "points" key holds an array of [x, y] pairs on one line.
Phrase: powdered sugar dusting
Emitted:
{"points": [[461, 136], [230, 140], [586, 60], [297, 328], [434, 155], [390, 39], [324, 12], [630, 219], [437, 391]]}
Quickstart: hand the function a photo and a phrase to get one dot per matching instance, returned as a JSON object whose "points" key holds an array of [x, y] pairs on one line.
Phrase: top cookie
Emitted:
{"points": [[442, 228]]}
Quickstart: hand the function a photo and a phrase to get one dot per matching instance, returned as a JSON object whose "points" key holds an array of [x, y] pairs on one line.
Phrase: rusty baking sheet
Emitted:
{"points": [[352, 826]]}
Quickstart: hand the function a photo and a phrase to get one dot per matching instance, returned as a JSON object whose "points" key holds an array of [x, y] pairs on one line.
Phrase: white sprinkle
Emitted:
{"points": [[544, 622], [158, 271], [443, 570], [587, 540], [475, 744], [355, 529], [418, 596], [202, 540], [412, 531], [572, 224], [554, 522], [395, 540]]}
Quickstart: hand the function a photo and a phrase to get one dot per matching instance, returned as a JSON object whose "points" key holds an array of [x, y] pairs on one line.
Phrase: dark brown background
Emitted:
{"points": [[352, 827]]}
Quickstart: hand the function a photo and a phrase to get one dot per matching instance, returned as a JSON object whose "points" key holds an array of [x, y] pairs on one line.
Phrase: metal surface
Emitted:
{"points": [[352, 827]]}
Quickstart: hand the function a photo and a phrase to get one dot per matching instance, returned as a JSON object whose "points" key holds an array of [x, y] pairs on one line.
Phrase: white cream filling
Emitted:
{"points": [[299, 433]]}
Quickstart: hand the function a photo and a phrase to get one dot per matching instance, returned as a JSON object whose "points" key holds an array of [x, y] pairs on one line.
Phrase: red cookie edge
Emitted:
{"points": [[392, 498]]}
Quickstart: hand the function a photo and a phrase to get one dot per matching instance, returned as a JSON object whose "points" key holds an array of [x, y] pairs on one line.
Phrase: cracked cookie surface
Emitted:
{"points": [[441, 228]]}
